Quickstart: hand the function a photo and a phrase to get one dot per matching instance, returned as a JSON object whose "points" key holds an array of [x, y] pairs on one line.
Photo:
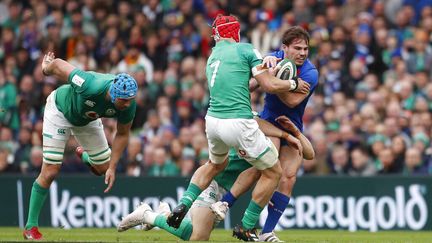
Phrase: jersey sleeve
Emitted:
{"points": [[311, 76], [80, 80], [251, 55], [127, 115], [278, 54]]}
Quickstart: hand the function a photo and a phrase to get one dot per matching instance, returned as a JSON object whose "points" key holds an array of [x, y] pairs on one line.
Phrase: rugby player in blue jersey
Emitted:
{"points": [[295, 46]]}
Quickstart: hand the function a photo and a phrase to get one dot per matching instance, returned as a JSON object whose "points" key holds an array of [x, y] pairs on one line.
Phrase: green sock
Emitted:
{"points": [[86, 159], [37, 199], [251, 216], [190, 195], [184, 232]]}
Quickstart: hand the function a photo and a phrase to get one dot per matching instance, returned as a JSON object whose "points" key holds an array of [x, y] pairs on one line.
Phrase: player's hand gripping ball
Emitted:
{"points": [[286, 69]]}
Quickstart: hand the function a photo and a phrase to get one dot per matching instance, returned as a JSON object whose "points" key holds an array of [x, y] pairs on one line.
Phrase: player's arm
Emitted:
{"points": [[271, 131], [292, 99], [286, 123], [56, 67], [271, 84], [260, 72], [119, 144]]}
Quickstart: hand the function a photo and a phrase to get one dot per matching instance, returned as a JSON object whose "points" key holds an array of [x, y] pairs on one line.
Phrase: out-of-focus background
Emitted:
{"points": [[372, 105], [370, 114]]}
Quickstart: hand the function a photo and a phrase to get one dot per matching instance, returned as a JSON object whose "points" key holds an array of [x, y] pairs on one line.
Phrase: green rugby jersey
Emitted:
{"points": [[228, 71], [228, 176], [84, 99]]}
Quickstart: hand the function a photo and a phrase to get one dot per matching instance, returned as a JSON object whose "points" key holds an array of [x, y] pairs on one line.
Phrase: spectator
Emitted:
{"points": [[374, 58], [362, 165], [414, 163], [5, 165]]}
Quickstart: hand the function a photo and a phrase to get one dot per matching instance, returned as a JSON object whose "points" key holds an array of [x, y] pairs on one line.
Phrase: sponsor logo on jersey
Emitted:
{"points": [[77, 80], [110, 112], [92, 115], [90, 103], [61, 131]]}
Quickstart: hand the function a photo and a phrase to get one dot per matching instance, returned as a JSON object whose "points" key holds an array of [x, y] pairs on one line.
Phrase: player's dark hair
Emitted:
{"points": [[293, 33]]}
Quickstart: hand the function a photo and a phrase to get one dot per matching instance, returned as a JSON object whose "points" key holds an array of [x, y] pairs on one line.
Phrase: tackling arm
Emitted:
{"points": [[286, 123]]}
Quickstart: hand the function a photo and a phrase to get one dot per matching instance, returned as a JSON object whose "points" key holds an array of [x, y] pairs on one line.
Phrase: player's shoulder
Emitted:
{"points": [[242, 45], [278, 54], [309, 72], [309, 65]]}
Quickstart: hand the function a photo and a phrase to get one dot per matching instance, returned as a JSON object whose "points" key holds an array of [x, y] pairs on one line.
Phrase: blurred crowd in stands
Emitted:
{"points": [[370, 114]]}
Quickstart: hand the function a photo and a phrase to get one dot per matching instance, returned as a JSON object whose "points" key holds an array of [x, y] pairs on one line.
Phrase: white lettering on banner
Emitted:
{"points": [[400, 194], [368, 212], [406, 208], [345, 221], [58, 208], [306, 205], [366, 220], [327, 206], [76, 216], [96, 211], [416, 201]]}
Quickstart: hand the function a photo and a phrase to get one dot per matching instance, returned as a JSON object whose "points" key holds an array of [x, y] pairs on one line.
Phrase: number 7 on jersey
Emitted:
{"points": [[214, 65]]}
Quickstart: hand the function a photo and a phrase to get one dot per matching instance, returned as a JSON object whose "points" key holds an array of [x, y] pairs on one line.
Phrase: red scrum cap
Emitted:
{"points": [[226, 27]]}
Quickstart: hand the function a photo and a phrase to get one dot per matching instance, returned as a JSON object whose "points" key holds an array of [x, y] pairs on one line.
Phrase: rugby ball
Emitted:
{"points": [[287, 69]]}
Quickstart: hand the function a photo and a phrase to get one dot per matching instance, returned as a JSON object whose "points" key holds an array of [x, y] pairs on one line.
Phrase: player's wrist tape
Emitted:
{"points": [[258, 69], [294, 83]]}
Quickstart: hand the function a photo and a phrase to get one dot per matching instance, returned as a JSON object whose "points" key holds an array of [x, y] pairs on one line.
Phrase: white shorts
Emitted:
{"points": [[57, 130], [245, 136], [210, 195]]}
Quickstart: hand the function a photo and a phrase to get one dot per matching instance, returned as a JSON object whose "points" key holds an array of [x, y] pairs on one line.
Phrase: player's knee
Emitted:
{"points": [[99, 157], [274, 172], [277, 170], [289, 177], [99, 170], [48, 174]]}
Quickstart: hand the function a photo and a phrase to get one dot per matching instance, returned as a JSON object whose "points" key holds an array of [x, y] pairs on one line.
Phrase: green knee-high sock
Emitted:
{"points": [[184, 232], [37, 199], [190, 195], [251, 216]]}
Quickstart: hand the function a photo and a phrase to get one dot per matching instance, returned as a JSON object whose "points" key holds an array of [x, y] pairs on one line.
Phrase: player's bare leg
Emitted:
{"points": [[202, 221], [290, 162]]}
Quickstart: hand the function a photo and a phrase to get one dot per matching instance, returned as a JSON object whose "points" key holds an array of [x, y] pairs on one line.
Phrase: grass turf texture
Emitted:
{"points": [[9, 234]]}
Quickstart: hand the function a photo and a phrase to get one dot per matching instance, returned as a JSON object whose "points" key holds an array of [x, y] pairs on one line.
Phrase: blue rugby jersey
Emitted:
{"points": [[274, 107]]}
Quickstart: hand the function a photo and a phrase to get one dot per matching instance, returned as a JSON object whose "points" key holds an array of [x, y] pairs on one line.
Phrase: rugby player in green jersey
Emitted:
{"points": [[203, 220], [230, 123], [75, 109]]}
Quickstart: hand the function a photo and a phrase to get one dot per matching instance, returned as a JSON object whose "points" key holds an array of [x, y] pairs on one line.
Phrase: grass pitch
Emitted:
{"points": [[8, 234]]}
